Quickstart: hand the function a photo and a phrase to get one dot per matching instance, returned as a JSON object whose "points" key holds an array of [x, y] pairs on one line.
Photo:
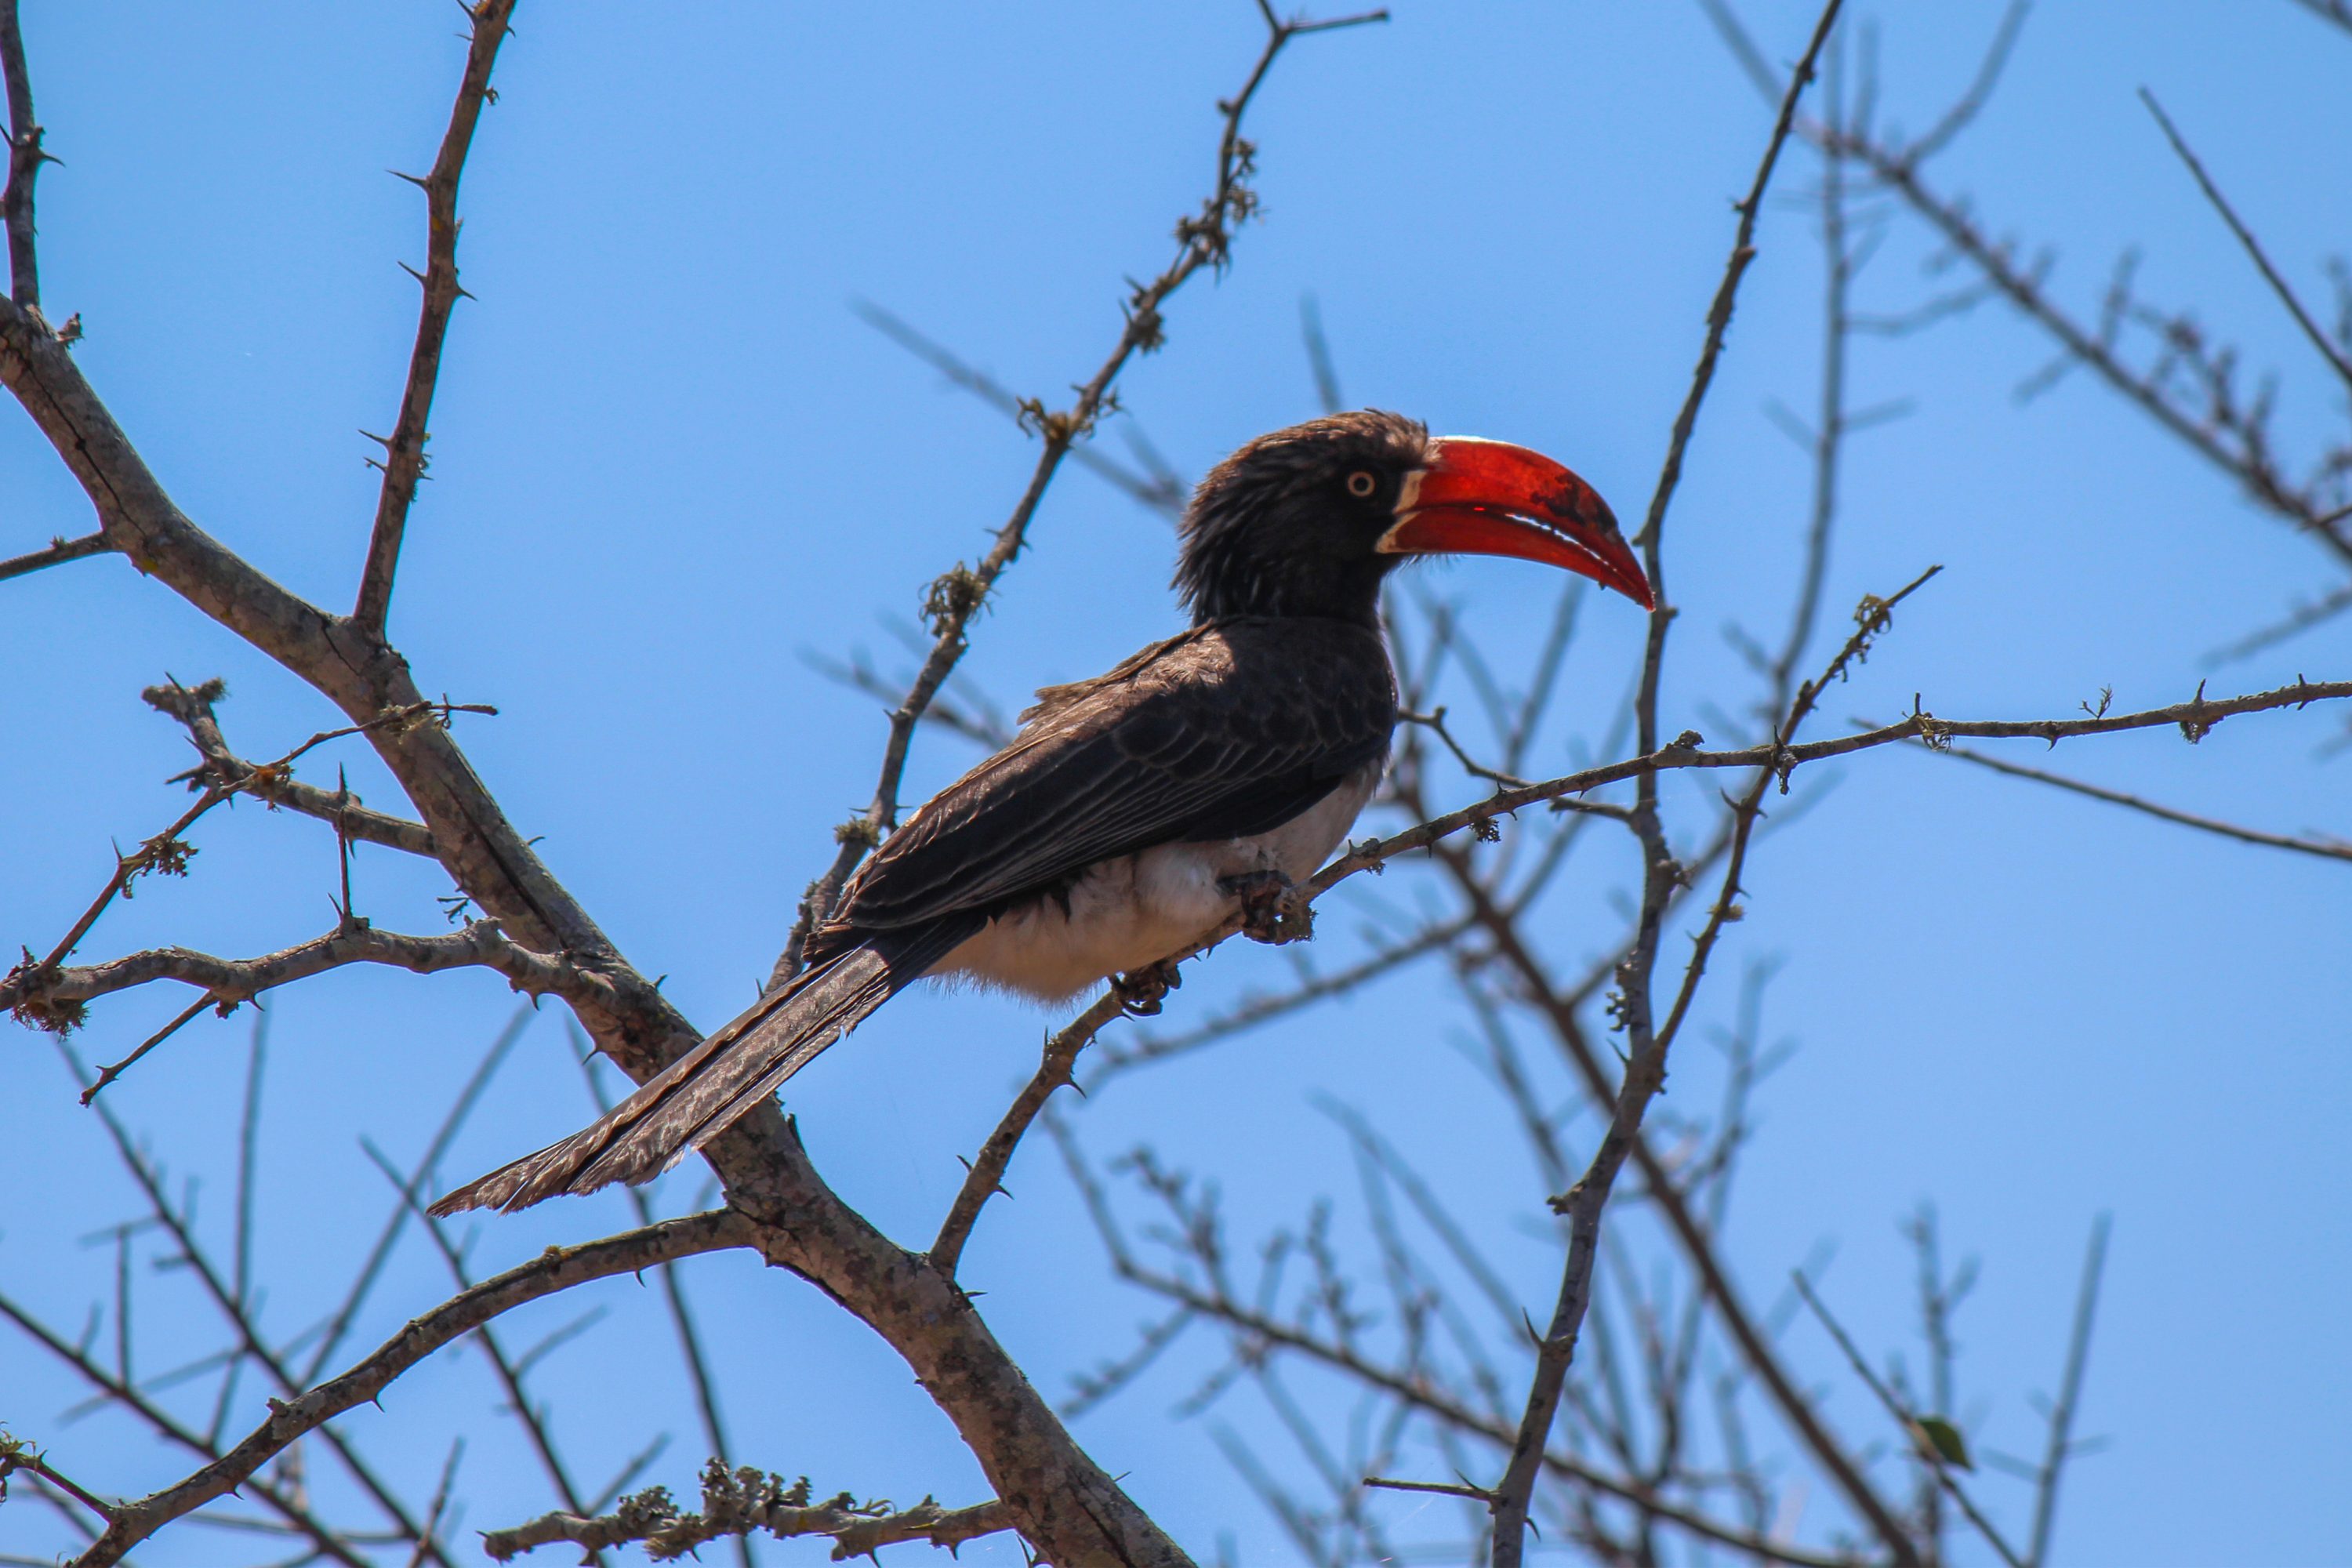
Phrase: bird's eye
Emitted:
{"points": [[1362, 483]]}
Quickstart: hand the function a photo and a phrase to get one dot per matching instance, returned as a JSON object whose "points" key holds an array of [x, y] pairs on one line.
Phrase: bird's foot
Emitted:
{"points": [[1269, 913], [1140, 991]]}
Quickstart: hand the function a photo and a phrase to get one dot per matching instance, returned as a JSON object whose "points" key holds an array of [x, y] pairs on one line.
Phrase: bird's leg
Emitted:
{"points": [[1267, 913], [1140, 989]]}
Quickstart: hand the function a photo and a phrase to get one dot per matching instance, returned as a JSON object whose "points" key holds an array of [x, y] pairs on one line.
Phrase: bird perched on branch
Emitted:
{"points": [[1136, 812]]}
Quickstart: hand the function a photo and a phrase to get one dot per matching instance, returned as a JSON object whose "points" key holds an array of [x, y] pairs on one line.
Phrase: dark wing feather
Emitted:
{"points": [[1229, 731]]}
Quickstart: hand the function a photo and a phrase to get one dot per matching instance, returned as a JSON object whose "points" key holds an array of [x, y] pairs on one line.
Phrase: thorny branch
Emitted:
{"points": [[275, 785], [986, 1177], [404, 450], [50, 995], [736, 1503]]}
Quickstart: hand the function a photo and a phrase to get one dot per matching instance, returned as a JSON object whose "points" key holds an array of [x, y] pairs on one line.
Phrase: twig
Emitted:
{"points": [[1971, 103], [957, 595], [2279, 286], [1112, 1061], [274, 785], [1435, 722], [557, 1268], [108, 1074], [233, 1311], [1158, 492], [18, 1454], [439, 1505], [168, 855], [2069, 1393], [2249, 462], [985, 1179], [59, 550], [1262, 1329], [127, 1515], [1319, 355], [404, 451], [2325, 848], [1444, 1488], [339, 1325], [532, 1417], [1926, 1451]]}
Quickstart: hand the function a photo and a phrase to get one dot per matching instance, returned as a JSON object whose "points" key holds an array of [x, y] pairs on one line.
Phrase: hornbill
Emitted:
{"points": [[1136, 812]]}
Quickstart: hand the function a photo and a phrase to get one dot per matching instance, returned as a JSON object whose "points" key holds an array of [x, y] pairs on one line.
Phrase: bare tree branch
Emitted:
{"points": [[1930, 1454], [43, 993], [1260, 1329], [2325, 848], [557, 1268], [404, 451], [2069, 1393], [2279, 286], [1158, 491], [736, 1504]]}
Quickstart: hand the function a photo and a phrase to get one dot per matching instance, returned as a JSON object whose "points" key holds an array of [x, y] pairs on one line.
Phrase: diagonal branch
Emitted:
{"points": [[2326, 849], [2279, 286], [403, 452], [128, 1524], [557, 1268], [1928, 1451], [1163, 493], [2069, 1393], [985, 1178]]}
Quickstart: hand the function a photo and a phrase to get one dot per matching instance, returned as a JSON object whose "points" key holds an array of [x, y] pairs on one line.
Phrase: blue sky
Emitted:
{"points": [[668, 459]]}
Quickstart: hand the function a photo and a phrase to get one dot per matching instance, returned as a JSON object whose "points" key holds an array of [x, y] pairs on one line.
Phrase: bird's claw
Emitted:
{"points": [[1140, 991], [1268, 912]]}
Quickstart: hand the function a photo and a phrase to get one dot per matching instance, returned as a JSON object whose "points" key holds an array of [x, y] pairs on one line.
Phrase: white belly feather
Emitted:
{"points": [[1133, 912]]}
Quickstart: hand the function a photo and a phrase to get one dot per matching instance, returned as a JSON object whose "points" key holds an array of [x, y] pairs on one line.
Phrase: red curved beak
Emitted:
{"points": [[1490, 497]]}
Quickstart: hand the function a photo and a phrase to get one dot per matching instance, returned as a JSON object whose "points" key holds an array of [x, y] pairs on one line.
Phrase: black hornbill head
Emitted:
{"points": [[1307, 521]]}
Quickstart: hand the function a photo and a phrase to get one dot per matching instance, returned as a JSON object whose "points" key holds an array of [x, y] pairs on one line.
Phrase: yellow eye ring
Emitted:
{"points": [[1362, 483]]}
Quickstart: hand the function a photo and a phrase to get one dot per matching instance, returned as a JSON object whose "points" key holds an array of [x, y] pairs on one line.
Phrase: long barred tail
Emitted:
{"points": [[702, 1093]]}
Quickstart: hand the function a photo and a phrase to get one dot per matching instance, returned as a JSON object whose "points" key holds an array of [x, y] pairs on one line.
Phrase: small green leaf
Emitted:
{"points": [[1944, 1439]]}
